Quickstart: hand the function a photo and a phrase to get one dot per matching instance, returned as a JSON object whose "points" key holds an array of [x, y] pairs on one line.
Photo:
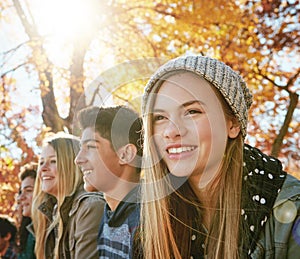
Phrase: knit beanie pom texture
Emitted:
{"points": [[228, 82]]}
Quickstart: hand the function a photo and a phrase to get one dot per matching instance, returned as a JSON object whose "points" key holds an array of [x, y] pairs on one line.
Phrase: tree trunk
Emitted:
{"points": [[50, 113], [77, 96], [283, 131]]}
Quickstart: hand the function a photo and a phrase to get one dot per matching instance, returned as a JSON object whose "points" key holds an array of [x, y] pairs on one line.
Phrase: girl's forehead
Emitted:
{"points": [[189, 82], [186, 86], [47, 151]]}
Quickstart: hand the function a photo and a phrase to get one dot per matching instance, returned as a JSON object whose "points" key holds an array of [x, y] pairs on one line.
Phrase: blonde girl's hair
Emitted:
{"points": [[168, 218], [69, 179]]}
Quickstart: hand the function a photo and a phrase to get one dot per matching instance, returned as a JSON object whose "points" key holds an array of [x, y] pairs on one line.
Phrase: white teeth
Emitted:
{"points": [[46, 178], [180, 150]]}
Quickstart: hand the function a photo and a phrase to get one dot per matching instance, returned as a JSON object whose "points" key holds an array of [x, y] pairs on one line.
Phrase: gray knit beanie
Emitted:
{"points": [[229, 83]]}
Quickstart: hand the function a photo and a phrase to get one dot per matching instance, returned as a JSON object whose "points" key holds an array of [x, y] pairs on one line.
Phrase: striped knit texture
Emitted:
{"points": [[228, 82]]}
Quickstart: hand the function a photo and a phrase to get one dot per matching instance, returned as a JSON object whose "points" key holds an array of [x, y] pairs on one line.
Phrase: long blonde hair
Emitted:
{"points": [[167, 218], [69, 179]]}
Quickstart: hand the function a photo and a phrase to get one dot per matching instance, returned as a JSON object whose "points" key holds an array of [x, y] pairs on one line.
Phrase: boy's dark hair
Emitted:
{"points": [[7, 227], [28, 170], [119, 124]]}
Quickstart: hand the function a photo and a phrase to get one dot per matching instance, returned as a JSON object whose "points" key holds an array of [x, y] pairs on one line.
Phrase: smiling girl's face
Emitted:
{"points": [[47, 171], [190, 130]]}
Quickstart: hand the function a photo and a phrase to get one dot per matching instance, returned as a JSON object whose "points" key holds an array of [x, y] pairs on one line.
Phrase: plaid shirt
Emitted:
{"points": [[117, 228]]}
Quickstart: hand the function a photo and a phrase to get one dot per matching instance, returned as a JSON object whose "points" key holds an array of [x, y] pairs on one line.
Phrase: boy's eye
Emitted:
{"points": [[91, 146], [28, 190], [158, 117]]}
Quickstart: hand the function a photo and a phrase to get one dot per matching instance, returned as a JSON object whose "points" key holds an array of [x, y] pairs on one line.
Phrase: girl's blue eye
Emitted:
{"points": [[91, 146], [53, 161], [194, 111]]}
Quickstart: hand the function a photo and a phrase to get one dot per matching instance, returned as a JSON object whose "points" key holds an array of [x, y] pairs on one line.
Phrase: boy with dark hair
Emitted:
{"points": [[27, 176], [110, 158], [7, 239]]}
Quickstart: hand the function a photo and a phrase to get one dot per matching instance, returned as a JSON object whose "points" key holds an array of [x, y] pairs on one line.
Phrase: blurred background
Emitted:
{"points": [[59, 56]]}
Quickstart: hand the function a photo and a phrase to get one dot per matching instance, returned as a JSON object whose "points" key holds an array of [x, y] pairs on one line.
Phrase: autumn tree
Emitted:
{"points": [[254, 37], [275, 76], [13, 146]]}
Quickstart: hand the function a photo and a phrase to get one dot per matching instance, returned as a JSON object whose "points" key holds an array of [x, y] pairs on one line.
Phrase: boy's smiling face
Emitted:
{"points": [[98, 162]]}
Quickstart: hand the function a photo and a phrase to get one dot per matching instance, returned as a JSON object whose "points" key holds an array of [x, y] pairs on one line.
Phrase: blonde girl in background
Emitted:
{"points": [[65, 217], [207, 194]]}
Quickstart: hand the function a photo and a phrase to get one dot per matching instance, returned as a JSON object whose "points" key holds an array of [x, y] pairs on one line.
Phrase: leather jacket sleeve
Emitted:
{"points": [[84, 227]]}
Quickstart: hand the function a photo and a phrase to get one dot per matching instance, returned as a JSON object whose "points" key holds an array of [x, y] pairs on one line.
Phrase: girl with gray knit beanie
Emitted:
{"points": [[206, 193]]}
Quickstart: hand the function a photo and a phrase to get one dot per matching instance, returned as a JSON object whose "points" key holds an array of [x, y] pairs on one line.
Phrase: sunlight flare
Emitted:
{"points": [[67, 19]]}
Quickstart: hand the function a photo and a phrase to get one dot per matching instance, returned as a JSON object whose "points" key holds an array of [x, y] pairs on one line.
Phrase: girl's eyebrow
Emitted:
{"points": [[42, 158], [192, 102], [184, 105]]}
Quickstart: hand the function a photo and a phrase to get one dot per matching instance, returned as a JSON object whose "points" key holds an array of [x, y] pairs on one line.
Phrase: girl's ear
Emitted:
{"points": [[127, 154], [233, 128]]}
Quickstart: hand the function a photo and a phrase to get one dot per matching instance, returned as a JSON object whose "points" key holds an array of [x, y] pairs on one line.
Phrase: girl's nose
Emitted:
{"points": [[44, 166], [174, 130]]}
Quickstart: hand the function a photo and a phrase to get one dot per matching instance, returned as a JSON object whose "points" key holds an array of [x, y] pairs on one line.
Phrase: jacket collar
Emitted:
{"points": [[290, 189], [262, 181], [125, 207], [80, 196], [48, 205]]}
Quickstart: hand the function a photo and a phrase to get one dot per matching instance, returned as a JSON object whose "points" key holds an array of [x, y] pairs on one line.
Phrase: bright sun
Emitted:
{"points": [[64, 25], [64, 18], [62, 22]]}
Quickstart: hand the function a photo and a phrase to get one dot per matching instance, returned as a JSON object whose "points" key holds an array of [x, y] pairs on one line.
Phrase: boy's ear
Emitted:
{"points": [[8, 236], [127, 154], [233, 128]]}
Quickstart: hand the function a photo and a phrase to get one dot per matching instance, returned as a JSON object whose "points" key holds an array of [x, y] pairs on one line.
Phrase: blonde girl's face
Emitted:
{"points": [[47, 171], [190, 130]]}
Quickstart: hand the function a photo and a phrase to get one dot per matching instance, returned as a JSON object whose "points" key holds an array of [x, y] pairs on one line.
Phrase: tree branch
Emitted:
{"points": [[276, 147], [30, 30], [15, 48], [13, 69], [293, 78]]}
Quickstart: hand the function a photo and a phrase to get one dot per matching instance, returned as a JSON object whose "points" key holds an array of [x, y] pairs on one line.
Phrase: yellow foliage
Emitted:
{"points": [[129, 31]]}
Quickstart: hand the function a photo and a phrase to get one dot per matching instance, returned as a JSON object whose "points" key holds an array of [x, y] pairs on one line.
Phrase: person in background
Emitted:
{"points": [[110, 158], [7, 239], [206, 193], [27, 176], [66, 218]]}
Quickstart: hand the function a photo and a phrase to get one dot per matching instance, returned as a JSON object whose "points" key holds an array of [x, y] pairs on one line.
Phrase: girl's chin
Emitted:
{"points": [[181, 170], [49, 191]]}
